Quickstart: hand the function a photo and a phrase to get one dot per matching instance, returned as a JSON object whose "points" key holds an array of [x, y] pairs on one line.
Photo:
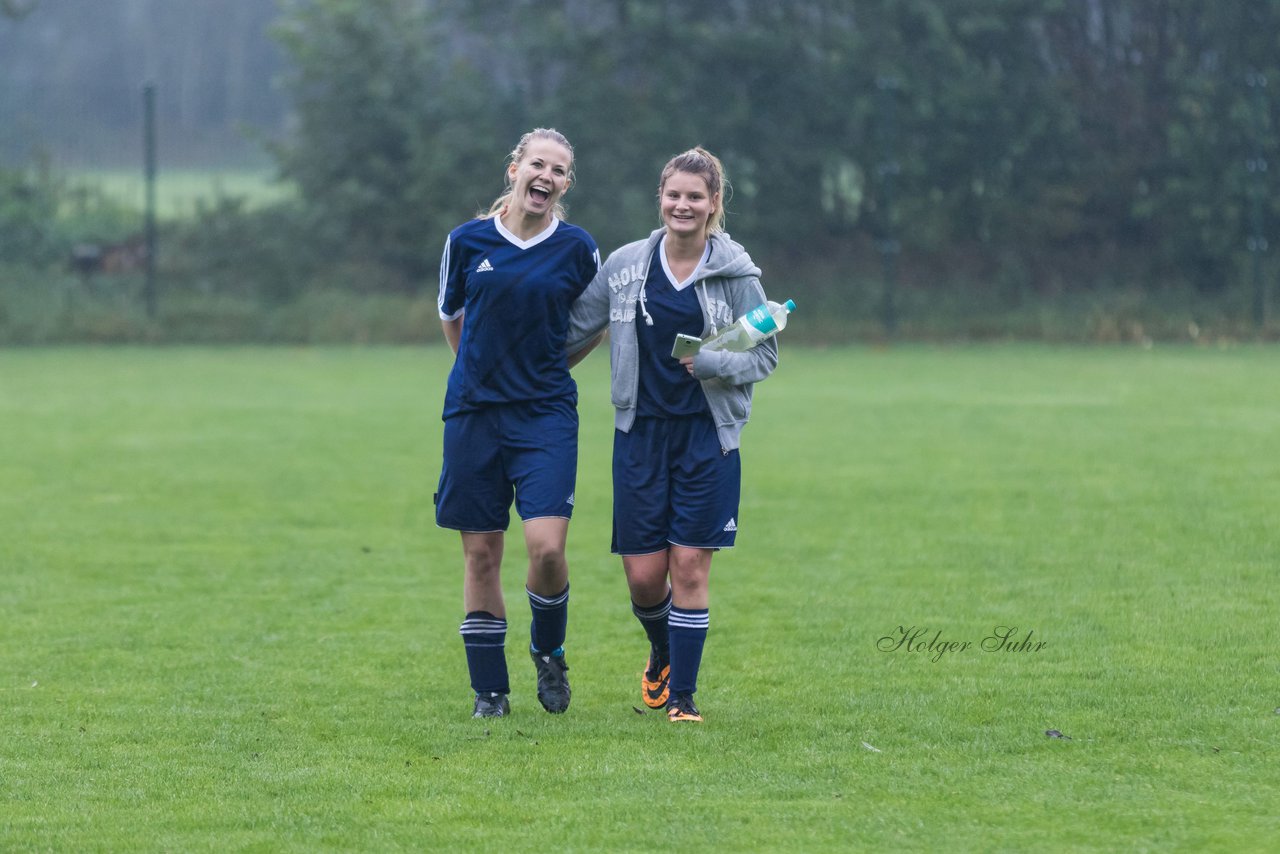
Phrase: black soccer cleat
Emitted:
{"points": [[681, 708], [553, 684], [492, 705]]}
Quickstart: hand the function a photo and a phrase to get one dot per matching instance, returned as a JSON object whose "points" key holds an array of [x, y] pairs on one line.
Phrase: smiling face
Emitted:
{"points": [[539, 179], [686, 205]]}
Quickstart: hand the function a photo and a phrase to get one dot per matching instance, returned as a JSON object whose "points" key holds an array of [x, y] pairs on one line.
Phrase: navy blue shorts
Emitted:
{"points": [[529, 450], [672, 485]]}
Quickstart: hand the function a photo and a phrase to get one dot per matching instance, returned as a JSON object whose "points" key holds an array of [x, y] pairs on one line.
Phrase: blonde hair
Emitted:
{"points": [[698, 161], [517, 154]]}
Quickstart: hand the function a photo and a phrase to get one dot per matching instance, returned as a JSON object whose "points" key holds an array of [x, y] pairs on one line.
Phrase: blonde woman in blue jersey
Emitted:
{"points": [[676, 465], [507, 281]]}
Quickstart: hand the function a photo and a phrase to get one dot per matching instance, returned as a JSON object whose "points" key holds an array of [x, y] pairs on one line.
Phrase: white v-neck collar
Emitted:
{"points": [[666, 267], [532, 241]]}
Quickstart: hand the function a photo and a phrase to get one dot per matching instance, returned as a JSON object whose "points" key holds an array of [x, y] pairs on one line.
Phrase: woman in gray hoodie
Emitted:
{"points": [[676, 466]]}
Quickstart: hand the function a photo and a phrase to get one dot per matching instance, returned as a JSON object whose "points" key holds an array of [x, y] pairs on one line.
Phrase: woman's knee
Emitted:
{"points": [[546, 557], [690, 569], [482, 556]]}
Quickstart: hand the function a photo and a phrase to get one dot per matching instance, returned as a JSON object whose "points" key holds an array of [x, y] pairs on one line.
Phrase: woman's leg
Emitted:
{"points": [[647, 577], [690, 573], [688, 622], [547, 586], [484, 630], [651, 603], [482, 581], [547, 581]]}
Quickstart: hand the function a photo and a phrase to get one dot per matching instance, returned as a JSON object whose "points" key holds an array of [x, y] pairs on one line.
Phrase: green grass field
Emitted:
{"points": [[229, 622], [180, 191]]}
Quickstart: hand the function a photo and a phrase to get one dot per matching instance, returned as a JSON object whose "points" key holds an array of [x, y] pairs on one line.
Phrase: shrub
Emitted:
{"points": [[28, 212]]}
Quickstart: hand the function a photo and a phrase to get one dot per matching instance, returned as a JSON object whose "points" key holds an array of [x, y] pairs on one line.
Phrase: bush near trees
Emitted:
{"points": [[28, 216]]}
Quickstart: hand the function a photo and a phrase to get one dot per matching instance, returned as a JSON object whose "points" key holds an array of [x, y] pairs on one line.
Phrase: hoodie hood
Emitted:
{"points": [[728, 260]]}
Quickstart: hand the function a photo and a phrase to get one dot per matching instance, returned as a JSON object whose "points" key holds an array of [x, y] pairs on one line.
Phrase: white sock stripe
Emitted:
{"points": [[471, 644], [685, 620], [547, 602], [475, 627], [654, 613], [673, 624]]}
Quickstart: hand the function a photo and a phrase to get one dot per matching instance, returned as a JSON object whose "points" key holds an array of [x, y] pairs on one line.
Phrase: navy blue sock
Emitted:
{"points": [[654, 620], [550, 619], [485, 638], [688, 630]]}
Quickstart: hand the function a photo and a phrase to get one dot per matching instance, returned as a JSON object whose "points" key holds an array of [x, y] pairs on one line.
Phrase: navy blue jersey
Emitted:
{"points": [[666, 388], [514, 297]]}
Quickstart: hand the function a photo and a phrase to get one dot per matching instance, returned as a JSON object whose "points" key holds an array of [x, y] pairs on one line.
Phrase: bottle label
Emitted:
{"points": [[760, 318]]}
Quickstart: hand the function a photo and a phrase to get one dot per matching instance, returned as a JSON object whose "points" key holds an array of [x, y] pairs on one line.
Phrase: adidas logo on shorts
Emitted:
{"points": [[485, 267], [732, 526], [569, 500]]}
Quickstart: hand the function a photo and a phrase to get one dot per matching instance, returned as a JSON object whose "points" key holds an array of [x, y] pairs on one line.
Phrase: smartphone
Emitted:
{"points": [[685, 345]]}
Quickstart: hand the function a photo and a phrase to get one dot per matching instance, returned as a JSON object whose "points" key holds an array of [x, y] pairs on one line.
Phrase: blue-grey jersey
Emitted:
{"points": [[514, 296]]}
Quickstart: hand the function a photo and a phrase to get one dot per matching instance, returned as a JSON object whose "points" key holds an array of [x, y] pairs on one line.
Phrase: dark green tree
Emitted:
{"points": [[1165, 125], [17, 8], [1050, 139], [399, 131]]}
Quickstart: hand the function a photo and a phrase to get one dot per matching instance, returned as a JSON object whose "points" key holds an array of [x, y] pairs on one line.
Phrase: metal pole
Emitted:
{"points": [[1257, 166], [887, 168], [149, 169]]}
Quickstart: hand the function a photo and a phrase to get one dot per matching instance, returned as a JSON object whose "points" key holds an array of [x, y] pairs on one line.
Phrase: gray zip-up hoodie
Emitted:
{"points": [[728, 287]]}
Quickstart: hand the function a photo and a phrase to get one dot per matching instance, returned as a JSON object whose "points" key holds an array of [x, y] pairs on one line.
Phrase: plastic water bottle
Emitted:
{"points": [[763, 321]]}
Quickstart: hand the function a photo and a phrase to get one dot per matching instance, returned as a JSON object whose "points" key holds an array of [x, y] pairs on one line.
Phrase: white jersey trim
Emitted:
{"points": [[444, 275], [532, 241], [666, 267]]}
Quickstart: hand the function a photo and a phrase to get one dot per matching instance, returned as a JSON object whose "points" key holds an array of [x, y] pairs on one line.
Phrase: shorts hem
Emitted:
{"points": [[461, 530], [712, 548], [545, 516]]}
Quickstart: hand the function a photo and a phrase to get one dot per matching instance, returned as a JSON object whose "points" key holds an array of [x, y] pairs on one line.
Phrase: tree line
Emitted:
{"points": [[1031, 136], [1037, 143]]}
